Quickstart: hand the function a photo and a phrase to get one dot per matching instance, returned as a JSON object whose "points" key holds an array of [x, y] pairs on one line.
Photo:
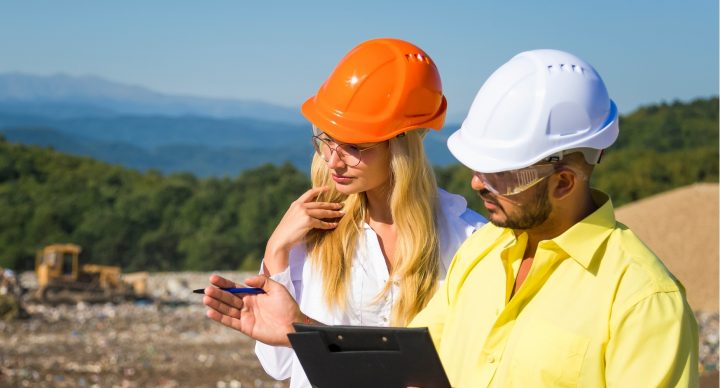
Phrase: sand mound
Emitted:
{"points": [[681, 227]]}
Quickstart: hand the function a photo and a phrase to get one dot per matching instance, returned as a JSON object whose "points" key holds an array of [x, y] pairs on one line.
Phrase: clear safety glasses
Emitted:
{"points": [[350, 154], [515, 181]]}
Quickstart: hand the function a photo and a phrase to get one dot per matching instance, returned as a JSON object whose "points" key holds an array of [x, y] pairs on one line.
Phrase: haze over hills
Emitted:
{"points": [[142, 129], [88, 96], [139, 128]]}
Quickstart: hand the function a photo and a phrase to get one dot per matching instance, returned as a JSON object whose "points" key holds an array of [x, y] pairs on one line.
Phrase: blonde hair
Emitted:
{"points": [[413, 204]]}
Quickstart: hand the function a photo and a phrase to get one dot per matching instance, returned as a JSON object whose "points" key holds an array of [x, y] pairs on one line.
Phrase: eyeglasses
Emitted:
{"points": [[350, 154], [515, 181]]}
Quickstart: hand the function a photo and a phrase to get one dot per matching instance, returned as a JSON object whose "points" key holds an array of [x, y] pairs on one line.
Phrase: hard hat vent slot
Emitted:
{"points": [[417, 57], [566, 67]]}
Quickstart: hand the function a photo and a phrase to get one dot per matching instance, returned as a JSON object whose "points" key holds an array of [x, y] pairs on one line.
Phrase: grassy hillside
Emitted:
{"points": [[138, 220]]}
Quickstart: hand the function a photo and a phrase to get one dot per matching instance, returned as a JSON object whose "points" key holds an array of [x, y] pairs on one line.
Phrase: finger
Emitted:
{"points": [[224, 319], [312, 193], [228, 298], [320, 224], [216, 303], [260, 281], [223, 308], [219, 281], [322, 214], [324, 205]]}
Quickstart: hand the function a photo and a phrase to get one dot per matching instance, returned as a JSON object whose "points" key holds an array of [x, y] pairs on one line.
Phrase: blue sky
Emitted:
{"points": [[647, 51]]}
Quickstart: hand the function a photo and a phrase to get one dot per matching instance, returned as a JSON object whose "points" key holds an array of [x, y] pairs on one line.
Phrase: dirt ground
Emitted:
{"points": [[128, 345]]}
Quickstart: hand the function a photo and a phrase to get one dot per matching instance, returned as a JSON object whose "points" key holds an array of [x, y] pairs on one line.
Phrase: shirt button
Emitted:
{"points": [[491, 359]]}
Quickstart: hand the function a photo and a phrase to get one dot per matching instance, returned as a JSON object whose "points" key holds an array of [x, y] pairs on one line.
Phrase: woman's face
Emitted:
{"points": [[351, 176]]}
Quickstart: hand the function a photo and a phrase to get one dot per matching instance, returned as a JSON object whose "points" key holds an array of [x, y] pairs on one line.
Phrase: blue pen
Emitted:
{"points": [[240, 290]]}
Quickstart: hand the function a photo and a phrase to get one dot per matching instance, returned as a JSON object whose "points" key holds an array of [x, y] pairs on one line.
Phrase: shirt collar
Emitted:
{"points": [[582, 240], [451, 204]]}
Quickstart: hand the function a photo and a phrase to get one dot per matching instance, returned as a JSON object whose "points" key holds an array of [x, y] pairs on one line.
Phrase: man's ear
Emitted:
{"points": [[566, 181]]}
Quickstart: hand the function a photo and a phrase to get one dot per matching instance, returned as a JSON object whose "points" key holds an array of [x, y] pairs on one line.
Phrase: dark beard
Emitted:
{"points": [[534, 211]]}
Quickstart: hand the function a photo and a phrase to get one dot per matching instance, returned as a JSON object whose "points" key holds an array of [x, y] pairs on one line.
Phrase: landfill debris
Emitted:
{"points": [[160, 344], [169, 343], [708, 324], [10, 296]]}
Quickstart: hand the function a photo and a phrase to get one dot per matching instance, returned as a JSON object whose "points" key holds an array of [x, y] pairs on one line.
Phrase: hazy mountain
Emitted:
{"points": [[202, 156], [201, 160], [69, 96], [143, 129], [152, 131]]}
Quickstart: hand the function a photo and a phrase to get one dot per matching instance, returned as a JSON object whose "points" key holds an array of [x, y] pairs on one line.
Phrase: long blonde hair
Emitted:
{"points": [[413, 204]]}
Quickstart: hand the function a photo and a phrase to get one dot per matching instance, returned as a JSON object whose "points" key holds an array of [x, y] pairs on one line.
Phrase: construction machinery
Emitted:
{"points": [[62, 279]]}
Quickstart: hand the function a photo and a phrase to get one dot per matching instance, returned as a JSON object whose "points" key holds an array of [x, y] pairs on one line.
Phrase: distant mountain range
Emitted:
{"points": [[68, 96], [143, 129]]}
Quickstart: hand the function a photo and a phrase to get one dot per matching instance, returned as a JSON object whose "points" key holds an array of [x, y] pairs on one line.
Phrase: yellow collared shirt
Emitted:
{"points": [[598, 308]]}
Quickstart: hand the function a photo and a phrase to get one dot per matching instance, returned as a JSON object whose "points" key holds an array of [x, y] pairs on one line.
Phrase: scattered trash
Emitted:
{"points": [[132, 344], [159, 344], [10, 296]]}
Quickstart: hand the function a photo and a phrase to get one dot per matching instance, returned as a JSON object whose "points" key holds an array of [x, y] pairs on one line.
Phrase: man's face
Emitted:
{"points": [[521, 211]]}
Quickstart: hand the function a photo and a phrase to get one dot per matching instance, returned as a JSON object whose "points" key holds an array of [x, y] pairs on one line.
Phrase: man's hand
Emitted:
{"points": [[265, 317]]}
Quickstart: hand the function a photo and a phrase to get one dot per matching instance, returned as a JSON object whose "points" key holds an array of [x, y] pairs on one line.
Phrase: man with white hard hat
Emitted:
{"points": [[554, 291]]}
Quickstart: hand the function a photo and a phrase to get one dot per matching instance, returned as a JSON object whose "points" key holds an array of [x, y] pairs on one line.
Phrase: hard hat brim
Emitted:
{"points": [[347, 131]]}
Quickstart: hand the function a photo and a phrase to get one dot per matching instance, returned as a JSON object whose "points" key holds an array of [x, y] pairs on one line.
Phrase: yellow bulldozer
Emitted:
{"points": [[62, 279]]}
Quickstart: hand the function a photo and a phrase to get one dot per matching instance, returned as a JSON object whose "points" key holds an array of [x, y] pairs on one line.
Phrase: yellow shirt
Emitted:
{"points": [[598, 308]]}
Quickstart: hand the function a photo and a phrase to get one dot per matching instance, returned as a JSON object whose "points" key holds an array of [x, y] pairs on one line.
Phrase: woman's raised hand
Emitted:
{"points": [[264, 317], [303, 215]]}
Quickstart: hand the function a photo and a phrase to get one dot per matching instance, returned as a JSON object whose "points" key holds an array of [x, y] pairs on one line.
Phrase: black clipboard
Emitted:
{"points": [[367, 356]]}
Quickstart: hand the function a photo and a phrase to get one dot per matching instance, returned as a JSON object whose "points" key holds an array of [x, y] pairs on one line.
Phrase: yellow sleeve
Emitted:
{"points": [[653, 344], [433, 315]]}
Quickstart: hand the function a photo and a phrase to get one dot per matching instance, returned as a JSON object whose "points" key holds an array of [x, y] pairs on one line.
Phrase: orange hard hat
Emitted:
{"points": [[380, 89]]}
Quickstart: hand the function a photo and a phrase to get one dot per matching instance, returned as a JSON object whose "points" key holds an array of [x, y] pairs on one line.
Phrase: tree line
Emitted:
{"points": [[155, 222]]}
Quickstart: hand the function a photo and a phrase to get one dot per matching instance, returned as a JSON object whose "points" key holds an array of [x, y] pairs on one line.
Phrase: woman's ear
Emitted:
{"points": [[565, 182]]}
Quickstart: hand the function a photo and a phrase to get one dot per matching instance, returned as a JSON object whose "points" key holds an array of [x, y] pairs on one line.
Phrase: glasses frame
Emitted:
{"points": [[523, 176], [338, 148]]}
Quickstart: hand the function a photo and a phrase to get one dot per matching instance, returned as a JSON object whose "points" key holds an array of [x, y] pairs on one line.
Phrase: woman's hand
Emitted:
{"points": [[264, 317], [303, 215]]}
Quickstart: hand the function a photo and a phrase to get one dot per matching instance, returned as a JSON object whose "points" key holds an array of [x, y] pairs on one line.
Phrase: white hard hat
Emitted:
{"points": [[538, 104]]}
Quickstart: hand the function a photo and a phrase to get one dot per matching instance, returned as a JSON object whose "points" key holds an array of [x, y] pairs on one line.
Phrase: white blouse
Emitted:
{"points": [[369, 274]]}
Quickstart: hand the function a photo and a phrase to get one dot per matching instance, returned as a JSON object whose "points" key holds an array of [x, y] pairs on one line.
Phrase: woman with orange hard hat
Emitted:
{"points": [[369, 242]]}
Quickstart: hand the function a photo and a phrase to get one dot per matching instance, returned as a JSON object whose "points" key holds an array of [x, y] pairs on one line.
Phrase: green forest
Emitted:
{"points": [[155, 222]]}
